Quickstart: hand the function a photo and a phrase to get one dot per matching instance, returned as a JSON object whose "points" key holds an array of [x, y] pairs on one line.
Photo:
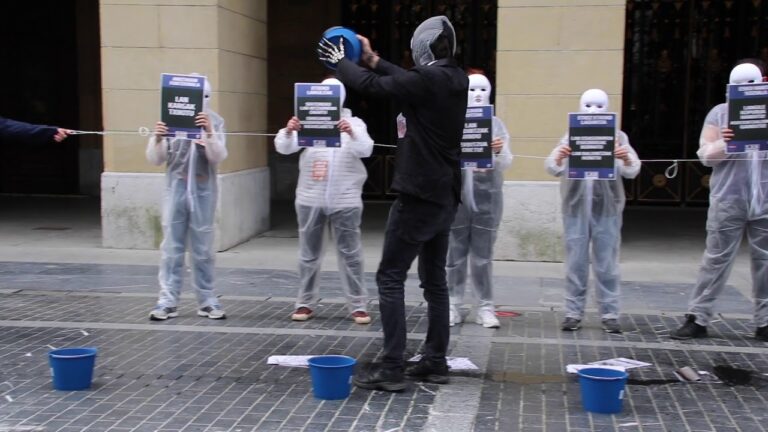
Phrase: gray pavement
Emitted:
{"points": [[59, 288]]}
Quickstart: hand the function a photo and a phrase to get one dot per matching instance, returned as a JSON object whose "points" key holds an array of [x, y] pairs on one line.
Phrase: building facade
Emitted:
{"points": [[662, 62]]}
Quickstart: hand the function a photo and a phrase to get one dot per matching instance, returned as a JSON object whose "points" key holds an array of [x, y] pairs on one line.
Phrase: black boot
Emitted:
{"points": [[428, 371], [380, 378], [689, 330], [762, 333]]}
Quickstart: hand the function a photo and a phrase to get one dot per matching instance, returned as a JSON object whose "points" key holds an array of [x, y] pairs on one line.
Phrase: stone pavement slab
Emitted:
{"points": [[196, 374]]}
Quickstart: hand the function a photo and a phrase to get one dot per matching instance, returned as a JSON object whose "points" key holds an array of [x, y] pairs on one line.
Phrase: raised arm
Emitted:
{"points": [[558, 159]]}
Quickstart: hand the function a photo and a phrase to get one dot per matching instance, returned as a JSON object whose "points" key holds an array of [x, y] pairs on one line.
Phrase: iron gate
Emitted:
{"points": [[677, 58]]}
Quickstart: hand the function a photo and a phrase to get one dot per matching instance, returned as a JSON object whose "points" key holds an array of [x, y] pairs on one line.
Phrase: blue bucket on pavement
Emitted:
{"points": [[331, 376], [602, 389], [72, 368]]}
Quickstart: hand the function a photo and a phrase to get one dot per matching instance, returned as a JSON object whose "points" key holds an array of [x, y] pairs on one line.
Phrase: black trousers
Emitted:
{"points": [[415, 228]]}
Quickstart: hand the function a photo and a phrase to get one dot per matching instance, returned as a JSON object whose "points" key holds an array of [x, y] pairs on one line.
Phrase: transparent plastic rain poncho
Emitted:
{"points": [[189, 205], [737, 203], [474, 228], [426, 33], [592, 213], [328, 193]]}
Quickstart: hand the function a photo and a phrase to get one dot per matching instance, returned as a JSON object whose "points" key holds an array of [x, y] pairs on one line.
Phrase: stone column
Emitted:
{"points": [[548, 53], [222, 39]]}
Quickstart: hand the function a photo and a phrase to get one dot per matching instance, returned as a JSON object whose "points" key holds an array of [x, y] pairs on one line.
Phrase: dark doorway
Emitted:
{"points": [[389, 26], [678, 56], [51, 75]]}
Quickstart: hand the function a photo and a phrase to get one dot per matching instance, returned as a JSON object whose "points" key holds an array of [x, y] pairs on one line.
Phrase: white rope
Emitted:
{"points": [[670, 172]]}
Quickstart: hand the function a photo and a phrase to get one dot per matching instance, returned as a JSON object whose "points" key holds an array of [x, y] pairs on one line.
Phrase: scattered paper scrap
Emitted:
{"points": [[454, 363], [290, 360], [573, 368], [619, 363]]}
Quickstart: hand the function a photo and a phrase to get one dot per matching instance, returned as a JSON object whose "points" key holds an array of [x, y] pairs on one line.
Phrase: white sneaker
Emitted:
{"points": [[212, 312], [160, 313], [487, 318], [455, 316]]}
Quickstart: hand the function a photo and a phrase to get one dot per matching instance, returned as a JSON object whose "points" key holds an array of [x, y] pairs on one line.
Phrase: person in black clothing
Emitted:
{"points": [[433, 98], [16, 130]]}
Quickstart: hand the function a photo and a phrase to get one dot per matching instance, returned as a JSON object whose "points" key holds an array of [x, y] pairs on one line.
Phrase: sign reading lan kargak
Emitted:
{"points": [[592, 138], [181, 100], [476, 140], [318, 107], [747, 117]]}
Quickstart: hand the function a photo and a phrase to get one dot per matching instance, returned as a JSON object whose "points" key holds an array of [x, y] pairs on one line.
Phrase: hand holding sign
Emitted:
{"points": [[562, 154], [161, 130], [294, 125], [727, 134], [202, 120], [345, 127], [496, 145], [621, 152]]}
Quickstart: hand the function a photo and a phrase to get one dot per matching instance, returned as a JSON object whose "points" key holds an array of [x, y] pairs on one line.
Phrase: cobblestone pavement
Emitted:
{"points": [[195, 374]]}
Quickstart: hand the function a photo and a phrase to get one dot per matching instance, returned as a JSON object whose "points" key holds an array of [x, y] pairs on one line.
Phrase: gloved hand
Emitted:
{"points": [[328, 52]]}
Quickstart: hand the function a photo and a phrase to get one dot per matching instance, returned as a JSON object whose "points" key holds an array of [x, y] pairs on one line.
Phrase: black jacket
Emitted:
{"points": [[16, 130], [434, 102]]}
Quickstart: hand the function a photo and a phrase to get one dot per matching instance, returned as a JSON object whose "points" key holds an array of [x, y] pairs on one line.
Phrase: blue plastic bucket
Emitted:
{"points": [[331, 376], [602, 389], [352, 47], [72, 368]]}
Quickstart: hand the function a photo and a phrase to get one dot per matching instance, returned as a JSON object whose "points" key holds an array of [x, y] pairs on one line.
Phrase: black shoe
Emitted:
{"points": [[570, 324], [689, 330], [379, 378], [428, 371], [762, 333], [611, 325]]}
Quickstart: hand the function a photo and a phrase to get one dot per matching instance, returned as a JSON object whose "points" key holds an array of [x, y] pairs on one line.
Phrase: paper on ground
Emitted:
{"points": [[454, 363], [618, 363], [573, 368], [290, 360]]}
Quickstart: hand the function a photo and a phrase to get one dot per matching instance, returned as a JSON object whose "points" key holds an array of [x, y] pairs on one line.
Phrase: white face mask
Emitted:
{"points": [[479, 90], [746, 73], [593, 101], [343, 89]]}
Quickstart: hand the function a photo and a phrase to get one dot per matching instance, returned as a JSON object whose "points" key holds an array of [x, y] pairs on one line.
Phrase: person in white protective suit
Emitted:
{"points": [[477, 220], [737, 203], [329, 194], [592, 215], [189, 204]]}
